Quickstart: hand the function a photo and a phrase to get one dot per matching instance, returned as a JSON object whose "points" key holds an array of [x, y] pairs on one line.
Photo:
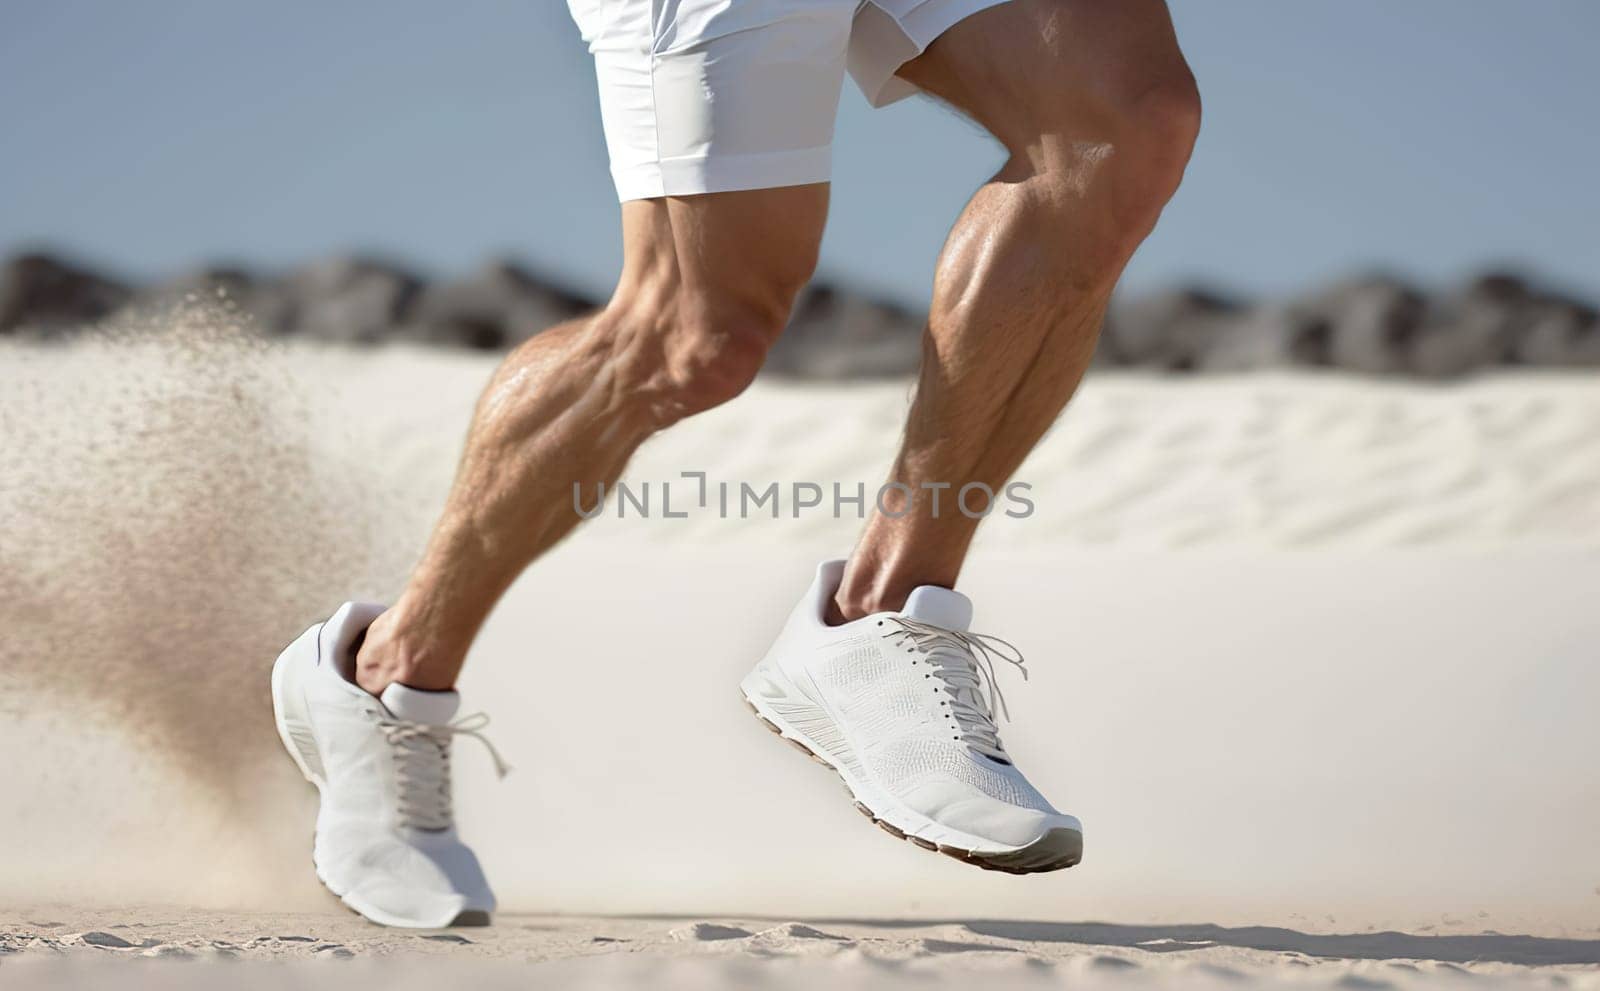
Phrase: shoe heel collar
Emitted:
{"points": [[339, 635]]}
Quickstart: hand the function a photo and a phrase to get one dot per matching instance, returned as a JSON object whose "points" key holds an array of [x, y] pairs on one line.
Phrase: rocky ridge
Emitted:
{"points": [[1373, 325]]}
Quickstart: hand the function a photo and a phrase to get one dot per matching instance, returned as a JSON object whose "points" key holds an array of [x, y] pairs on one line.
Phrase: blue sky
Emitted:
{"points": [[1432, 136]]}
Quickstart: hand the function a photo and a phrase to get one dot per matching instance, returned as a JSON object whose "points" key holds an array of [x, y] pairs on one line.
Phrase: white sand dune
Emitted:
{"points": [[1290, 460], [1306, 653]]}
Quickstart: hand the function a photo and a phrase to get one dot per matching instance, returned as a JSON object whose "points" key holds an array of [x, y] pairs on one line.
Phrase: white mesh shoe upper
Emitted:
{"points": [[908, 701], [893, 704]]}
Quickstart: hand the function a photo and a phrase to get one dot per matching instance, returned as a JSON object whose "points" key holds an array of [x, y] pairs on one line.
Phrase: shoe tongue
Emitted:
{"points": [[941, 607], [417, 706]]}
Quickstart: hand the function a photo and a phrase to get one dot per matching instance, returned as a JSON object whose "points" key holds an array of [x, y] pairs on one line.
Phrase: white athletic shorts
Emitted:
{"points": [[706, 96]]}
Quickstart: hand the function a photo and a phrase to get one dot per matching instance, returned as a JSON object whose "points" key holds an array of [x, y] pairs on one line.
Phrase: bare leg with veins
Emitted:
{"points": [[707, 284], [1098, 112]]}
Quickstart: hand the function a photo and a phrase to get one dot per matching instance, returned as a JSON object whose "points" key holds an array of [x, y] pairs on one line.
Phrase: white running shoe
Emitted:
{"points": [[386, 841], [901, 705]]}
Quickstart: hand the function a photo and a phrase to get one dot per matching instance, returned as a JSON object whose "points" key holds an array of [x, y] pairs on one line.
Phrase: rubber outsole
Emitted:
{"points": [[1056, 850]]}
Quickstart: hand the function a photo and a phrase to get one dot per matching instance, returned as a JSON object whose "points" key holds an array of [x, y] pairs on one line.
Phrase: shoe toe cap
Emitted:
{"points": [[393, 903], [426, 886], [1000, 825]]}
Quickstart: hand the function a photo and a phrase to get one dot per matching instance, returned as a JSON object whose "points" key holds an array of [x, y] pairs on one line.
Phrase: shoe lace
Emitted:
{"points": [[422, 766], [965, 665]]}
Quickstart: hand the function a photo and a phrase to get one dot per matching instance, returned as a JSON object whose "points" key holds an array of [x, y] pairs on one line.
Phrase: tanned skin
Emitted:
{"points": [[1098, 112]]}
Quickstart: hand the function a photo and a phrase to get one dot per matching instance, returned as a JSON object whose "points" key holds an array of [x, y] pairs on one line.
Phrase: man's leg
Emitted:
{"points": [[707, 284], [1099, 112]]}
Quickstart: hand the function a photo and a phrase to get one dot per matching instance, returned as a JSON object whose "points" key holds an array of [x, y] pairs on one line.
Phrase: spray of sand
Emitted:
{"points": [[170, 516]]}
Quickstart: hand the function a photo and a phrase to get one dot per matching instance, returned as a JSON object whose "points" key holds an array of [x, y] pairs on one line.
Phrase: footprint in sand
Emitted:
{"points": [[1105, 961], [953, 946], [707, 932], [796, 930]]}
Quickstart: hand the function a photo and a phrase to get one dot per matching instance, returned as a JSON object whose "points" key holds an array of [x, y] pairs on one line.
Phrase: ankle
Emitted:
{"points": [[878, 581], [858, 598], [389, 655]]}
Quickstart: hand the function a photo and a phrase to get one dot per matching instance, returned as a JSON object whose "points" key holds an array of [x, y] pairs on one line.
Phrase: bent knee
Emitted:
{"points": [[1107, 179], [1130, 122], [1163, 122], [698, 351], [711, 358]]}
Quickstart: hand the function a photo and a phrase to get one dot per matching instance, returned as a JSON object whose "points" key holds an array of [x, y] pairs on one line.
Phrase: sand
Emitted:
{"points": [[1306, 653], [162, 948]]}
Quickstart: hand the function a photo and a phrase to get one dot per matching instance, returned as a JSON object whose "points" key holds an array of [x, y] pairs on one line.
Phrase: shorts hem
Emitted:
{"points": [[890, 42], [690, 176]]}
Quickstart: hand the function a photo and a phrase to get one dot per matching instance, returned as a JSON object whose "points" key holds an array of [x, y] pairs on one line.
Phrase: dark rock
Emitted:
{"points": [[216, 280], [1268, 336], [1375, 325], [836, 336], [42, 293], [348, 300], [1371, 325], [1168, 330], [499, 307], [1472, 329], [1558, 333], [1499, 288], [268, 303]]}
